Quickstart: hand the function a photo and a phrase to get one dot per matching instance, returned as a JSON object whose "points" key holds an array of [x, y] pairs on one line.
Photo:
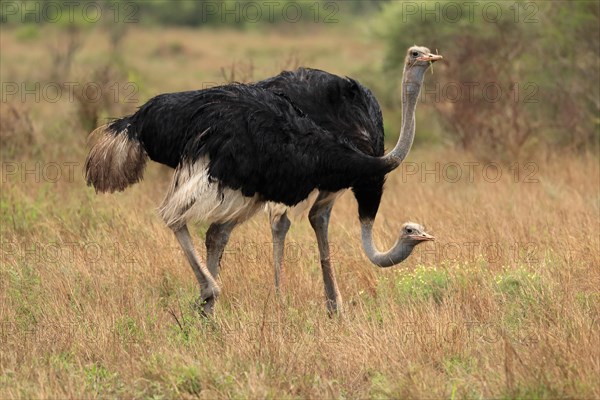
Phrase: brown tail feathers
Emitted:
{"points": [[115, 160]]}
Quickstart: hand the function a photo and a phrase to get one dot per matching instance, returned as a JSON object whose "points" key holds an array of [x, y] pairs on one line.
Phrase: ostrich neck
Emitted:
{"points": [[411, 87], [398, 253]]}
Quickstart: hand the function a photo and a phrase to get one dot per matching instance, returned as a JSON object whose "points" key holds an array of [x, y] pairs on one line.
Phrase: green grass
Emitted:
{"points": [[424, 283]]}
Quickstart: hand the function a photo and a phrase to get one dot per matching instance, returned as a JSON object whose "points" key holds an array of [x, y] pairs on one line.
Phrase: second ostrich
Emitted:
{"points": [[235, 148]]}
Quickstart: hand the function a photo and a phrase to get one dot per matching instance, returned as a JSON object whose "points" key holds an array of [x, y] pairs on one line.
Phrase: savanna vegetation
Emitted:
{"points": [[96, 296]]}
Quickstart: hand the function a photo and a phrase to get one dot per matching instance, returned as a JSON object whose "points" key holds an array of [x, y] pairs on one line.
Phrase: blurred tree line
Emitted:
{"points": [[192, 13], [516, 73]]}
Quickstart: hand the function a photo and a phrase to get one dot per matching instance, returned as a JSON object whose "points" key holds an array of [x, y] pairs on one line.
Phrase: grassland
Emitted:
{"points": [[95, 295]]}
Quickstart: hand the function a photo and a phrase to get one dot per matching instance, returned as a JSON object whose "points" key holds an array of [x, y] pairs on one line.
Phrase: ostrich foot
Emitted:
{"points": [[334, 308], [205, 303]]}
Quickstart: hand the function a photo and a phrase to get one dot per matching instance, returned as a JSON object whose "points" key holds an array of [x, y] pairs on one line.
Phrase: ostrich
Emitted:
{"points": [[235, 148]]}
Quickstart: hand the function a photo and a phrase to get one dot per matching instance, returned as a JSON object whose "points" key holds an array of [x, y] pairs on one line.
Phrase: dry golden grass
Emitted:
{"points": [[95, 295]]}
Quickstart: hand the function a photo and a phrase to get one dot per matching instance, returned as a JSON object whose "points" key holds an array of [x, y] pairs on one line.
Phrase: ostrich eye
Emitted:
{"points": [[415, 54], [409, 230]]}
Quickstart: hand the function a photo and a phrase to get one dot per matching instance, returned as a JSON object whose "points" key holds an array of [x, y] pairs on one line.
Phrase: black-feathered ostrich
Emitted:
{"points": [[235, 148]]}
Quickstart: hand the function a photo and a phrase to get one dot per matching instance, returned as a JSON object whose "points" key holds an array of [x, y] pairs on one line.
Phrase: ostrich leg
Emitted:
{"points": [[209, 290], [319, 219], [280, 225], [217, 237]]}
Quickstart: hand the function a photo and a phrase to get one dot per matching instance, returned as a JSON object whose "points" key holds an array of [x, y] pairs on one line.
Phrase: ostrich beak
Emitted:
{"points": [[430, 57], [423, 237]]}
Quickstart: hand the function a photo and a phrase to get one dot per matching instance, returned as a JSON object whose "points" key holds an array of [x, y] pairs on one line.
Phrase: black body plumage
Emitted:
{"points": [[345, 108], [258, 141]]}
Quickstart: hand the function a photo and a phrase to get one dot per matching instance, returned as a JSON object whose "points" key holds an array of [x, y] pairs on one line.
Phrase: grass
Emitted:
{"points": [[95, 295]]}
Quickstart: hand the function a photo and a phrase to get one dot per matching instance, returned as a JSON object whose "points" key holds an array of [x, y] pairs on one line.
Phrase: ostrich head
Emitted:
{"points": [[418, 59], [413, 234], [418, 56]]}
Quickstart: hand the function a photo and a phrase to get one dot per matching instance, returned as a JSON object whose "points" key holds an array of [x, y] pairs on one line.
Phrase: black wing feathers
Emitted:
{"points": [[339, 105]]}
